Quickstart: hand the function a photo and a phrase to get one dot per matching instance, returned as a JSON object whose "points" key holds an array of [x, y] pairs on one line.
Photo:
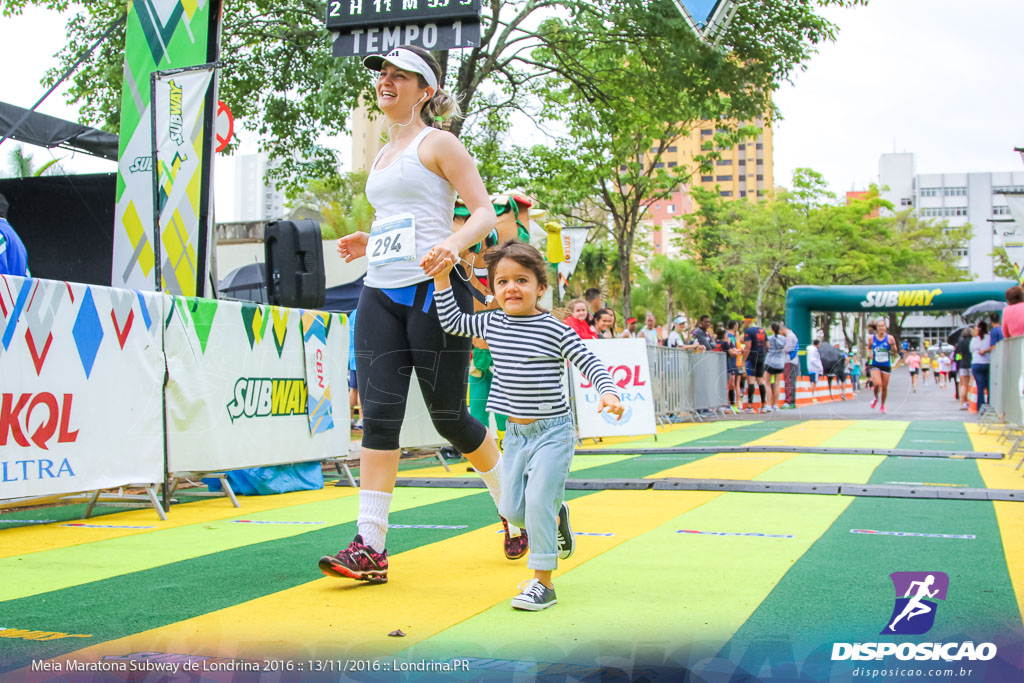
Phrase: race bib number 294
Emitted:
{"points": [[392, 239]]}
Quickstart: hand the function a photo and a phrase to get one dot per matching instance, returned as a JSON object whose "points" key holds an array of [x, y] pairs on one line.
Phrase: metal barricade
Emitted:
{"points": [[1005, 385], [709, 380], [685, 382]]}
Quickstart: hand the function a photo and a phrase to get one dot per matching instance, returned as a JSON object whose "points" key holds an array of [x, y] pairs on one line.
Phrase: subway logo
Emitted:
{"points": [[266, 397]]}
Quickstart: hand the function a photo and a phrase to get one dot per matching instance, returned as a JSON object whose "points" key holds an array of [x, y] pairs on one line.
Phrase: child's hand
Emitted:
{"points": [[440, 266], [611, 403]]}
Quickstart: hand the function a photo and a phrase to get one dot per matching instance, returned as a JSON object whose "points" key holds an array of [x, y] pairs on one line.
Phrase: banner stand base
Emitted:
{"points": [[92, 499], [226, 489]]}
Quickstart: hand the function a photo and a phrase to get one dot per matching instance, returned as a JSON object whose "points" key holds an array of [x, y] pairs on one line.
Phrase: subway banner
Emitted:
{"points": [[161, 35], [179, 117], [626, 361], [80, 398], [238, 390]]}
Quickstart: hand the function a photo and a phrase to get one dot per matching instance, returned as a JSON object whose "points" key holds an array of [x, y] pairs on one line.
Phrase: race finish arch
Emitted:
{"points": [[935, 296]]}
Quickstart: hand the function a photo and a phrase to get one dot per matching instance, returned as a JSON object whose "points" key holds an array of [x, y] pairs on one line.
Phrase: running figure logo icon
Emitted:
{"points": [[916, 592]]}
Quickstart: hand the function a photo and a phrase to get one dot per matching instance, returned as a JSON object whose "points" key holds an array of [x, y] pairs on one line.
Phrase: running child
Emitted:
{"points": [[529, 348]]}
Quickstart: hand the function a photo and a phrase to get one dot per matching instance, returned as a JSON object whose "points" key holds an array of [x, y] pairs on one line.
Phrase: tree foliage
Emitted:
{"points": [[651, 79]]}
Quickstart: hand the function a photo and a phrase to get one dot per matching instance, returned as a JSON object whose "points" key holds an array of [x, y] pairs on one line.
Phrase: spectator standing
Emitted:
{"points": [[775, 364], [593, 298], [703, 333], [995, 334], [963, 359], [13, 257], [604, 323], [980, 348], [727, 345], [577, 319], [678, 338], [792, 367], [1013, 314], [630, 331], [814, 367], [855, 372], [755, 349], [650, 331]]}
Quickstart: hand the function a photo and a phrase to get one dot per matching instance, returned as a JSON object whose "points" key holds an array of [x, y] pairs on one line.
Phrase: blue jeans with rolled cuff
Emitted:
{"points": [[535, 465]]}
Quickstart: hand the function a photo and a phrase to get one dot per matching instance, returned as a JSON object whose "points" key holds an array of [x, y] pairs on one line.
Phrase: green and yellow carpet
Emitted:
{"points": [[663, 584]]}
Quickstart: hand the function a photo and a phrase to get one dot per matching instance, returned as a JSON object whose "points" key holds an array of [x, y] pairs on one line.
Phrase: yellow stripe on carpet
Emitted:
{"points": [[30, 539], [746, 466], [1002, 474], [431, 588]]}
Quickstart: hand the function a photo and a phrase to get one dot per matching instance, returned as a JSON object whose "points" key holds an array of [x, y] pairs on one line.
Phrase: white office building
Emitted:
{"points": [[958, 198], [256, 198]]}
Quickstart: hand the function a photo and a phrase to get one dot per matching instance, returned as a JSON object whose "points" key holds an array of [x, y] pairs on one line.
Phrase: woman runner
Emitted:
{"points": [[412, 187], [883, 345]]}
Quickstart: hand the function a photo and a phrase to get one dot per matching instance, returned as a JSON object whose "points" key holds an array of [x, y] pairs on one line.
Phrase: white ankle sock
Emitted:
{"points": [[492, 479], [373, 517]]}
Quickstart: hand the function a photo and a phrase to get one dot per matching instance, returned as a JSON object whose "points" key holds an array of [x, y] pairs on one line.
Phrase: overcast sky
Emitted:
{"points": [[943, 79]]}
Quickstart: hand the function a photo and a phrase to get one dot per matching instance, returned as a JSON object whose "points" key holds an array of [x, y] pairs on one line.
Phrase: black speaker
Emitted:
{"points": [[295, 263]]}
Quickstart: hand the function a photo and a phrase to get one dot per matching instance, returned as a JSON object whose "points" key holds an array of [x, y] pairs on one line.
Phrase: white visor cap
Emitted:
{"points": [[406, 60]]}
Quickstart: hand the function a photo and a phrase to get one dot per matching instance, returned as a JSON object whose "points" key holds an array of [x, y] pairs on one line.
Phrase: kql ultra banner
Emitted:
{"points": [[80, 396], [237, 392], [626, 362]]}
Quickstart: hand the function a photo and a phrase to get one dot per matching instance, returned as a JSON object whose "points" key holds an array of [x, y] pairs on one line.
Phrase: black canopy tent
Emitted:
{"points": [[48, 131]]}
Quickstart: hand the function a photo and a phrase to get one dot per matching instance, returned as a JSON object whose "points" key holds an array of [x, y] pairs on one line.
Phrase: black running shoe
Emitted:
{"points": [[566, 540]]}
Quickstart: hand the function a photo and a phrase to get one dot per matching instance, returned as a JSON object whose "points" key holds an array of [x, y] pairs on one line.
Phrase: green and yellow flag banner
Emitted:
{"points": [[163, 35]]}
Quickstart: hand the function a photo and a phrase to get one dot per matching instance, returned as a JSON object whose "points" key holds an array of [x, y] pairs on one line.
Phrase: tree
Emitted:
{"points": [[22, 165], [656, 79], [342, 203], [281, 82]]}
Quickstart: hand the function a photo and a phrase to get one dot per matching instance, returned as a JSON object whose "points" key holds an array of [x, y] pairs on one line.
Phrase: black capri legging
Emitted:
{"points": [[397, 330]]}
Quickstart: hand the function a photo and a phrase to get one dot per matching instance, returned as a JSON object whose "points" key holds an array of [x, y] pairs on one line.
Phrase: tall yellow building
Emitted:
{"points": [[744, 171]]}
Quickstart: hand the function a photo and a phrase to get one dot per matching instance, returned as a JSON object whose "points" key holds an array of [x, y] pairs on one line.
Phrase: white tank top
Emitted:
{"points": [[407, 186]]}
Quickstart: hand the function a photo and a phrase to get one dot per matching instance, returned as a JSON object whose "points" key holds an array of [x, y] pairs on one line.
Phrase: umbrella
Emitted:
{"points": [[990, 306], [247, 283], [954, 336]]}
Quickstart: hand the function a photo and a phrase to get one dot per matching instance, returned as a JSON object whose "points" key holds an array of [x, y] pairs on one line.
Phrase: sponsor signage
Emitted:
{"points": [[626, 362], [917, 596], [375, 26], [78, 363], [900, 298]]}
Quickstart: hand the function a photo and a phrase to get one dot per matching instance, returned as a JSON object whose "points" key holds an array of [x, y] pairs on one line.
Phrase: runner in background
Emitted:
{"points": [[775, 365], [926, 366], [913, 363], [944, 364], [883, 346], [792, 367]]}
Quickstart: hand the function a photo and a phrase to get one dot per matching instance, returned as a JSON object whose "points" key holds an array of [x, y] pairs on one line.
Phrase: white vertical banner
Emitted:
{"points": [[573, 240], [179, 135], [626, 361]]}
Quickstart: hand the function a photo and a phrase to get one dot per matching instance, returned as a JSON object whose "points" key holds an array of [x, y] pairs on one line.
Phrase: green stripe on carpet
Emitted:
{"points": [[664, 588], [840, 590], [47, 571], [122, 605], [650, 464]]}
